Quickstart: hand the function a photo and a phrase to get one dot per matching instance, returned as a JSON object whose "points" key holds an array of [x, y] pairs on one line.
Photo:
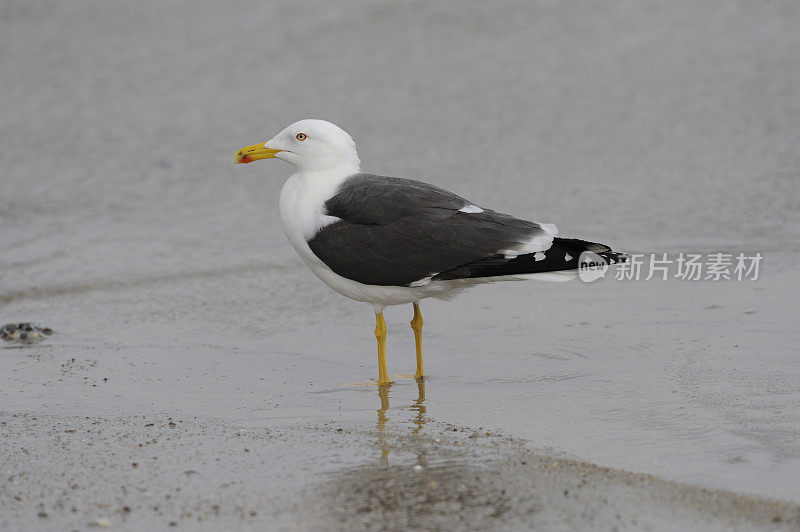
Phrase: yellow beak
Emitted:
{"points": [[248, 154]]}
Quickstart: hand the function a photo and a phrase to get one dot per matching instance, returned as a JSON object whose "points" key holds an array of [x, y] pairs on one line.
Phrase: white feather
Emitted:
{"points": [[470, 209]]}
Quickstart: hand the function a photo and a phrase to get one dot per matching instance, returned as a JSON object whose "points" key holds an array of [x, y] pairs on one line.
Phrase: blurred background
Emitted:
{"points": [[649, 126], [646, 125]]}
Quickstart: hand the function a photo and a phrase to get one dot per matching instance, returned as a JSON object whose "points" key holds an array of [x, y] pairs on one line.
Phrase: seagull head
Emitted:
{"points": [[310, 145]]}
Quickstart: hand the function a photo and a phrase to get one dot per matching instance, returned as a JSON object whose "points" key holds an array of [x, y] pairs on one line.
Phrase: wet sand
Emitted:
{"points": [[157, 471], [190, 340]]}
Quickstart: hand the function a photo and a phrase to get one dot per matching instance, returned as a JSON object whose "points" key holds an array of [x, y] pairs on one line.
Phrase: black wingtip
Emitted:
{"points": [[563, 255], [614, 257]]}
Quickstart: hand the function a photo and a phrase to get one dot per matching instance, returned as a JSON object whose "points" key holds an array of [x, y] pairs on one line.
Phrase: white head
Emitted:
{"points": [[310, 145]]}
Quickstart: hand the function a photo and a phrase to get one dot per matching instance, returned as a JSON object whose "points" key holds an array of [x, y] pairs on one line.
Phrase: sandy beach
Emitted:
{"points": [[142, 472], [199, 376]]}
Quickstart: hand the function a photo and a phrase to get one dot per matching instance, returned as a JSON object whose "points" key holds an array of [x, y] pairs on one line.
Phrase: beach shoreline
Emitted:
{"points": [[142, 472]]}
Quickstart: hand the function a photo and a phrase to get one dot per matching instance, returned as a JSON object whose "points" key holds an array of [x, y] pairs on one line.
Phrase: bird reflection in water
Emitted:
{"points": [[418, 420]]}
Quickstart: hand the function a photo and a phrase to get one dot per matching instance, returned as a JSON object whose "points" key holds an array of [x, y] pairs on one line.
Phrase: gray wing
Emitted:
{"points": [[393, 232]]}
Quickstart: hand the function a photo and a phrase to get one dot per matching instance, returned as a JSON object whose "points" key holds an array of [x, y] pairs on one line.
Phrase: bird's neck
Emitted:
{"points": [[306, 191], [329, 178], [302, 203]]}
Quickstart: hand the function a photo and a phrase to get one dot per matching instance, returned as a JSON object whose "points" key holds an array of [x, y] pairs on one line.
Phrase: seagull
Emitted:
{"points": [[392, 241]]}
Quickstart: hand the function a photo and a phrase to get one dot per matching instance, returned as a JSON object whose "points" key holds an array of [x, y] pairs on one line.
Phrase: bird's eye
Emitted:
{"points": [[301, 137]]}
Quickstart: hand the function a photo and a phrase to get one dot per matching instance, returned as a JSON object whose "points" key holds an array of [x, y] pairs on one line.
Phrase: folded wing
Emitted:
{"points": [[401, 232]]}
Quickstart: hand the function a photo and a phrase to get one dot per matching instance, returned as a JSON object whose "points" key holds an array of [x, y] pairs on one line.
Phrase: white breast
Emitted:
{"points": [[302, 209]]}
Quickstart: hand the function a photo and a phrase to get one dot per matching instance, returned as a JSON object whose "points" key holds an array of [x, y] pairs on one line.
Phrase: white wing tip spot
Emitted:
{"points": [[550, 228], [538, 256], [422, 282], [567, 257], [470, 209]]}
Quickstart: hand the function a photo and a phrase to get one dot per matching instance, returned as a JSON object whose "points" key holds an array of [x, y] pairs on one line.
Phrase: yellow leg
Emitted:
{"points": [[380, 334], [416, 324]]}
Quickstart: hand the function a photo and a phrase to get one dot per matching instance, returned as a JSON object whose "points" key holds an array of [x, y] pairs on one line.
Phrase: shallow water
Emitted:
{"points": [[124, 227]]}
